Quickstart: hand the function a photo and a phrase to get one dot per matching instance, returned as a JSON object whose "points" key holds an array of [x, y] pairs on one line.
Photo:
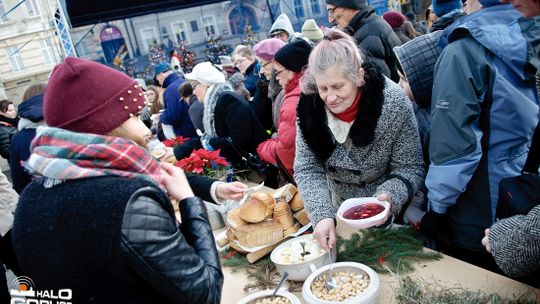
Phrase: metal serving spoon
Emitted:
{"points": [[330, 281], [283, 278]]}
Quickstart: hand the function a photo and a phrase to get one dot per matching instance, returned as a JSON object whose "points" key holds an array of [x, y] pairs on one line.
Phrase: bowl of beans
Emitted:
{"points": [[356, 284], [364, 212], [265, 297]]}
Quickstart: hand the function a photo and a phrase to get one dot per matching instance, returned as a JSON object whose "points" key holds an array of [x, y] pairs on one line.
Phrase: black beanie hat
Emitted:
{"points": [[294, 55], [354, 4]]}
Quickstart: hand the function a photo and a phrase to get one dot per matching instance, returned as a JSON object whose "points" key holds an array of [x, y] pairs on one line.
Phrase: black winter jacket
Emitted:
{"points": [[6, 133], [377, 39]]}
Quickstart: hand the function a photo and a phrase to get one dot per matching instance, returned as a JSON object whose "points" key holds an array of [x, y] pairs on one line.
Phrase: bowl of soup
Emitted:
{"points": [[364, 212]]}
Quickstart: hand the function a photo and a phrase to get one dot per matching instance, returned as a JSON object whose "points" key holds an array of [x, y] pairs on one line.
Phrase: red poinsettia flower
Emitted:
{"points": [[203, 161], [192, 164], [179, 140]]}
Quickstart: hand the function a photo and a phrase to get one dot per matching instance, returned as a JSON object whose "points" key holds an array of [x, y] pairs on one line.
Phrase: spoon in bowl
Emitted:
{"points": [[330, 281], [283, 278]]}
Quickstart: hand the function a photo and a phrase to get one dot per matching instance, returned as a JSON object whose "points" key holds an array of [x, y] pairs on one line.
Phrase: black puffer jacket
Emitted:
{"points": [[7, 130], [446, 20], [377, 39]]}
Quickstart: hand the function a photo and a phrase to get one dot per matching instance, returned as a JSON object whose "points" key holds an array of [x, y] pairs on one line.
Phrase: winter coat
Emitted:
{"points": [[196, 110], [91, 234], [515, 243], [381, 153], [402, 37], [31, 117], [262, 104], [176, 112], [446, 20], [7, 130], [8, 203], [484, 111], [251, 77], [376, 39], [283, 145]]}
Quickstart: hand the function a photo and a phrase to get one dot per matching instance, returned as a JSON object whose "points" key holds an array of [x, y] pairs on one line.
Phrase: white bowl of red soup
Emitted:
{"points": [[363, 212]]}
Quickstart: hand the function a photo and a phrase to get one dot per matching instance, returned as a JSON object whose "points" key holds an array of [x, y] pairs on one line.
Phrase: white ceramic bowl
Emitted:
{"points": [[369, 296], [376, 220], [299, 271], [265, 293]]}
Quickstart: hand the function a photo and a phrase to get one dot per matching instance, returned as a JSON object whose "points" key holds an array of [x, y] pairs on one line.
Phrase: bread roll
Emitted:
{"points": [[253, 211], [291, 230], [302, 217], [264, 233], [285, 193], [268, 201], [283, 213], [296, 203], [234, 219]]}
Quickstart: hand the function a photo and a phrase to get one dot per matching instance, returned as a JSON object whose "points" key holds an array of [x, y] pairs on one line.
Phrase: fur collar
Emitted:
{"points": [[312, 118], [210, 100]]}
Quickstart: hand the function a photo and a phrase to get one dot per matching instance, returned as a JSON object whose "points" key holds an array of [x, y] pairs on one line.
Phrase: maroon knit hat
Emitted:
{"points": [[85, 96], [395, 19]]}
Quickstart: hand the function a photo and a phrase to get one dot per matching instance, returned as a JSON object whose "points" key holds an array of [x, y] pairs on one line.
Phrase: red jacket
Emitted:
{"points": [[284, 144]]}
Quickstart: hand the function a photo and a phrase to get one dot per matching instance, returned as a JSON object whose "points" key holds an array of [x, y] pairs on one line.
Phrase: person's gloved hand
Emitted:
{"points": [[433, 223], [205, 142]]}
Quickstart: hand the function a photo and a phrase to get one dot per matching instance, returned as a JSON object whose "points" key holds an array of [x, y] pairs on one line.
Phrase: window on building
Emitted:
{"points": [[82, 48], [47, 52], [15, 60], [31, 8], [194, 26], [209, 25], [2, 12], [149, 36], [180, 32], [315, 7], [299, 9]]}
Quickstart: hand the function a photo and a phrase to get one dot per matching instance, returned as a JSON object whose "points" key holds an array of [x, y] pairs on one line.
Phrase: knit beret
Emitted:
{"points": [[354, 4], [395, 19], [443, 7], [294, 55], [86, 96], [267, 48]]}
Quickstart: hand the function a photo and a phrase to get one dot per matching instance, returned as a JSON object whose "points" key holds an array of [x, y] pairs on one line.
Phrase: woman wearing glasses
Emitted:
{"points": [[357, 135], [288, 66]]}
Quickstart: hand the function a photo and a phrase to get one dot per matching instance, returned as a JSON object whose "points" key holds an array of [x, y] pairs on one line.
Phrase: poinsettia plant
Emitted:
{"points": [[172, 141], [205, 162]]}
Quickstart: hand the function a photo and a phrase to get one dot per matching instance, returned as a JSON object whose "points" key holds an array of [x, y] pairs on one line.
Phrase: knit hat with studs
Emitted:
{"points": [[85, 96]]}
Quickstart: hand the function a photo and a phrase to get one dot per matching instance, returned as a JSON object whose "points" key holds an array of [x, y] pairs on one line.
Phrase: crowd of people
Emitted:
{"points": [[429, 116]]}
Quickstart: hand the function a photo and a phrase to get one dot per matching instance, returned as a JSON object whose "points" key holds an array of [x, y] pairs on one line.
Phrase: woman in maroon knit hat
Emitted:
{"points": [[97, 218]]}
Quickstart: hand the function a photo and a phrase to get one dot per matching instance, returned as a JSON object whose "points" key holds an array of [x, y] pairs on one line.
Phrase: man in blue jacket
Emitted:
{"points": [[176, 111], [484, 111]]}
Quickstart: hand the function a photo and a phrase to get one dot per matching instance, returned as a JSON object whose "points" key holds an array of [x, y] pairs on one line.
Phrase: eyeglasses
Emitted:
{"points": [[266, 64], [240, 61], [331, 11], [279, 72]]}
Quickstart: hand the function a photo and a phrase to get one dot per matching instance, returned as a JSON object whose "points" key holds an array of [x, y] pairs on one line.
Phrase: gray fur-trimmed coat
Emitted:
{"points": [[382, 153]]}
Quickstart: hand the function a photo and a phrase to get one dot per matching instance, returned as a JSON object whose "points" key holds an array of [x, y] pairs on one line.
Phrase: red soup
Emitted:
{"points": [[363, 211]]}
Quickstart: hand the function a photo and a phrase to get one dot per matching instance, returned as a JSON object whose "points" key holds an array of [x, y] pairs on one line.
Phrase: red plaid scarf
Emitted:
{"points": [[59, 155]]}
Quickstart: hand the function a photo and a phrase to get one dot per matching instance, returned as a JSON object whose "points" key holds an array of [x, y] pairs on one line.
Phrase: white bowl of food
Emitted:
{"points": [[265, 297], [356, 284], [364, 212], [298, 261]]}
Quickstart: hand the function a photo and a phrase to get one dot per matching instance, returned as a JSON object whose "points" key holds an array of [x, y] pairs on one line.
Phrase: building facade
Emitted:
{"points": [[29, 48]]}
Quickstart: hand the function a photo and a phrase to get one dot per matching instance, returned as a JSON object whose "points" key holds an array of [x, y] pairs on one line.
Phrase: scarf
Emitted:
{"points": [[210, 101], [350, 114], [59, 155]]}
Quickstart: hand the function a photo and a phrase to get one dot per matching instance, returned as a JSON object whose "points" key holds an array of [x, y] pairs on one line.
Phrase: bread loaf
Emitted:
{"points": [[253, 211], [268, 201], [283, 213], [296, 203], [264, 233], [285, 193], [291, 230], [234, 219], [302, 217]]}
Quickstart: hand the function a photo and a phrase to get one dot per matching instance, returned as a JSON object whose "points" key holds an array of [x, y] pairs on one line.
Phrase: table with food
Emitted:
{"points": [[268, 238]]}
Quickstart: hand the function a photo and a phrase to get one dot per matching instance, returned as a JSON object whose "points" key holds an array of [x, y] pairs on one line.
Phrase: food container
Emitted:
{"points": [[369, 296], [282, 292], [299, 271], [359, 203]]}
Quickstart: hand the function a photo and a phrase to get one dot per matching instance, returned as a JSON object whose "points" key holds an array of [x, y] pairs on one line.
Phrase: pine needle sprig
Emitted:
{"points": [[396, 249]]}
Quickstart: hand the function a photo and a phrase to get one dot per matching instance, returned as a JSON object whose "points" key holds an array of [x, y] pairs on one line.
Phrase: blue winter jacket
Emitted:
{"points": [[176, 112], [484, 111]]}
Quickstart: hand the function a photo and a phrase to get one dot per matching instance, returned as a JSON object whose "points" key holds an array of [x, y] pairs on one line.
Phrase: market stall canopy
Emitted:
{"points": [[84, 12]]}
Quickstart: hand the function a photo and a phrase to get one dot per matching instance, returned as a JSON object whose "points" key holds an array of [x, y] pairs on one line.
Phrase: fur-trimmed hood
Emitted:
{"points": [[312, 118]]}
